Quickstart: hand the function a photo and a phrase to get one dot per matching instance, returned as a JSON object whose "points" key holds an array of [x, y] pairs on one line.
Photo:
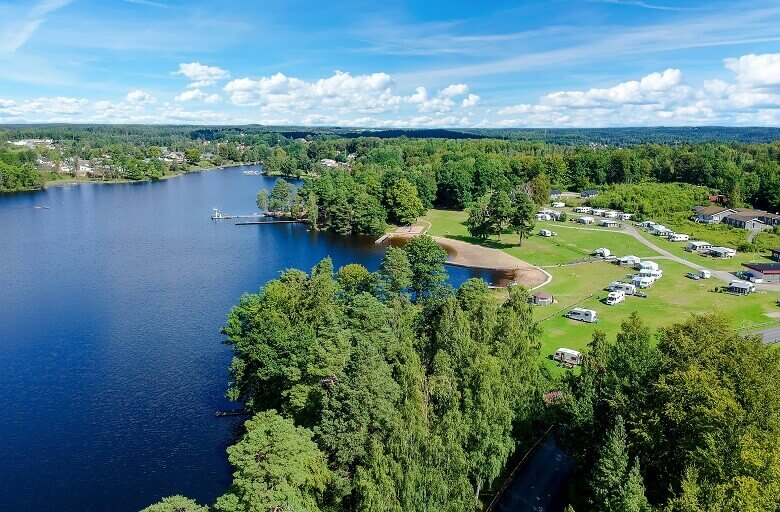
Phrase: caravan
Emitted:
{"points": [[618, 286], [568, 356], [677, 237], [582, 315]]}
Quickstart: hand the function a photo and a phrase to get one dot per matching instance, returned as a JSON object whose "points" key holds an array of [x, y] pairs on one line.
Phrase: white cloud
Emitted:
{"points": [[212, 98], [454, 90], [201, 75], [280, 93], [420, 95], [140, 97], [191, 95], [471, 101], [756, 71]]}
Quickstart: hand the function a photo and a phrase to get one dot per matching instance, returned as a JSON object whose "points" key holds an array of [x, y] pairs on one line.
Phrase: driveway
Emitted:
{"points": [[769, 336]]}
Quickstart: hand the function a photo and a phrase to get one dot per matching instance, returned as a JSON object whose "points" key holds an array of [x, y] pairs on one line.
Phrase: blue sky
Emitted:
{"points": [[558, 63]]}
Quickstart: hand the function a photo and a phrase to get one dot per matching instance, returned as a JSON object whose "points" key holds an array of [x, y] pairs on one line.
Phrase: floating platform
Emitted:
{"points": [[231, 412], [219, 215]]}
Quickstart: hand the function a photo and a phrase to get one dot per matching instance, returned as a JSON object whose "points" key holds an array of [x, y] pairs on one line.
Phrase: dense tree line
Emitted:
{"points": [[689, 424], [17, 171], [378, 391]]}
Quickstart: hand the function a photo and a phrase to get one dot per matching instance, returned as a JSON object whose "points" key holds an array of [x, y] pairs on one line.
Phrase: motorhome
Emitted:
{"points": [[598, 212], [557, 204], [568, 356], [582, 209], [619, 286], [609, 214], [582, 315], [625, 216], [615, 298], [642, 282]]}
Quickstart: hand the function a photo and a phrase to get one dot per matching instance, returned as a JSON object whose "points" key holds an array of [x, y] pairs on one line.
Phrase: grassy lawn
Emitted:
{"points": [[570, 244], [672, 299]]}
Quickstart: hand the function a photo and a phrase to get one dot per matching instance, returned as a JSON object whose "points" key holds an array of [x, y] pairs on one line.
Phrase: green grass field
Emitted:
{"points": [[672, 299]]}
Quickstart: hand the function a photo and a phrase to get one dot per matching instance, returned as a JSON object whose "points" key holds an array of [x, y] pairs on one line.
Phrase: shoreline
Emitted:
{"points": [[465, 254], [78, 181]]}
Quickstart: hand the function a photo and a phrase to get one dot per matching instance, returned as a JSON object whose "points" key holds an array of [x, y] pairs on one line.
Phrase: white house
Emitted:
{"points": [[677, 237], [582, 315], [609, 223], [603, 252], [722, 252], [586, 220], [630, 260], [568, 356], [698, 246]]}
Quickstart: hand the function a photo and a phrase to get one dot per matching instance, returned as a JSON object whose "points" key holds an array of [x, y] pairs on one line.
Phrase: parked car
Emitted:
{"points": [[693, 275]]}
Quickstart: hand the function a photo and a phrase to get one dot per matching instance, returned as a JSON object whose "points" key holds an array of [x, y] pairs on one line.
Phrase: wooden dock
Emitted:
{"points": [[258, 222]]}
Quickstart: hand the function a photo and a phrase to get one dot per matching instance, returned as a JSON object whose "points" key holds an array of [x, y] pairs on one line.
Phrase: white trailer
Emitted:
{"points": [[678, 237], [619, 286], [568, 356], [647, 265], [603, 252], [582, 315]]}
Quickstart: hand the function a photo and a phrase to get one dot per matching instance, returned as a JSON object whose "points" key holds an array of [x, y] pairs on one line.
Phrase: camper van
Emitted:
{"points": [[618, 286], [568, 356], [582, 315], [614, 298]]}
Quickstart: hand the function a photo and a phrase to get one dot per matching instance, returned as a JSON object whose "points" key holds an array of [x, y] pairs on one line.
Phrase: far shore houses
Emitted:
{"points": [[745, 218]]}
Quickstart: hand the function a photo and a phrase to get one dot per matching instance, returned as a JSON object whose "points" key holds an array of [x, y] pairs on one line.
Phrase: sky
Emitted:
{"points": [[556, 63]]}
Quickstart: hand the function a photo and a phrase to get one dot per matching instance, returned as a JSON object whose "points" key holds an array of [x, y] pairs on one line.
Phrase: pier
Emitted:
{"points": [[256, 222], [220, 215]]}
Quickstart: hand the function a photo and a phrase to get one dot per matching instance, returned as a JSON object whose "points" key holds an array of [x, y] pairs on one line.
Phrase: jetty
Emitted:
{"points": [[220, 215], [231, 412], [257, 222]]}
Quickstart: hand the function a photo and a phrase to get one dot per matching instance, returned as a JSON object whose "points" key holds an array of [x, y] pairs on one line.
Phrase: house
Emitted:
{"points": [[568, 356], [609, 223], [766, 272], [776, 254], [698, 246], [586, 220], [677, 237], [610, 214], [642, 281], [603, 252], [741, 287], [748, 221], [542, 299], [557, 204], [586, 194], [625, 216], [582, 315], [711, 214], [629, 260], [647, 265], [722, 252], [582, 209]]}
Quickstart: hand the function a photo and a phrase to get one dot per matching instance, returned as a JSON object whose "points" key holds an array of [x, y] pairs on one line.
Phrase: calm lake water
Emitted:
{"points": [[111, 366]]}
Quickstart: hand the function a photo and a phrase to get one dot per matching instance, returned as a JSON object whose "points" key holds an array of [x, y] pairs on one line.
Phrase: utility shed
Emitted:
{"points": [[767, 272]]}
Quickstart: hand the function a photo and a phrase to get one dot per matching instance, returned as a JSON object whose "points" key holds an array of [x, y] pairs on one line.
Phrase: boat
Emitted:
{"points": [[252, 173]]}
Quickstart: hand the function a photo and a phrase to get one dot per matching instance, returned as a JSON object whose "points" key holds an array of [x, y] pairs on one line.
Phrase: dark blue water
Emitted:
{"points": [[111, 366]]}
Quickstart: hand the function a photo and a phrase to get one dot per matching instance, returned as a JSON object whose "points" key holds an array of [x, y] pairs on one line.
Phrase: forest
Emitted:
{"points": [[392, 391]]}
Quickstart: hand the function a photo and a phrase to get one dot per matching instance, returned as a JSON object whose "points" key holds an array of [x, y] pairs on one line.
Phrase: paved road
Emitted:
{"points": [[540, 484], [769, 336]]}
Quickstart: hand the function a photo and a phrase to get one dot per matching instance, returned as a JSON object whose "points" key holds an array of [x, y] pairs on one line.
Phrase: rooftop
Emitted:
{"points": [[764, 268]]}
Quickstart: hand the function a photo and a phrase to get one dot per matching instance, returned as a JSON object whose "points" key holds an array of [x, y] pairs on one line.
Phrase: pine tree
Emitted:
{"points": [[609, 475]]}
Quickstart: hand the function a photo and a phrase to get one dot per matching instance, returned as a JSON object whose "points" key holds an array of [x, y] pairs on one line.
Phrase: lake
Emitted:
{"points": [[111, 366]]}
